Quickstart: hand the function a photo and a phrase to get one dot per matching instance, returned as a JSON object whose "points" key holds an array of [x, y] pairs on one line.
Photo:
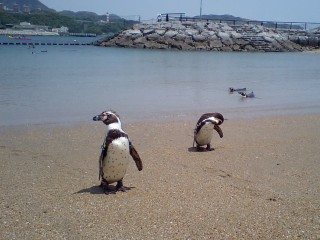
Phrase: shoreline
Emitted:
{"points": [[28, 33], [261, 181], [174, 115]]}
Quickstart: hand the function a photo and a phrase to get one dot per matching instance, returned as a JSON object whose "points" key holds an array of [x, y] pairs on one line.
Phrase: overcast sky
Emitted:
{"points": [[276, 10]]}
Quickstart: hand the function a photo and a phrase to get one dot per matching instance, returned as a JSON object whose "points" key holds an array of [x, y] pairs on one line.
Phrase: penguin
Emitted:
{"points": [[232, 90], [116, 152], [247, 95], [203, 131]]}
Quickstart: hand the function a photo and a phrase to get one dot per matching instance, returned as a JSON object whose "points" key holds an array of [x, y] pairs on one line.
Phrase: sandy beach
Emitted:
{"points": [[262, 181]]}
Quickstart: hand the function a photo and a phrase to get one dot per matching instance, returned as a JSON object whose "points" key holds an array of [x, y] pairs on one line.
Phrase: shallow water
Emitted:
{"points": [[65, 84]]}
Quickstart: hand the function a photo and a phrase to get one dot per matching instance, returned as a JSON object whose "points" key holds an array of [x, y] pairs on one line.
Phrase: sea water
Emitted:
{"points": [[66, 84]]}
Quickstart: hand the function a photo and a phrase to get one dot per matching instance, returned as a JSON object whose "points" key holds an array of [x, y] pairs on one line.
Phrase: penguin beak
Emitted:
{"points": [[220, 122], [219, 131], [97, 118]]}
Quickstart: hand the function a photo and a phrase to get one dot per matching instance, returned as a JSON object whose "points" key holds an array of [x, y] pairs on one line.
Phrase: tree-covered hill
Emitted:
{"points": [[85, 22], [54, 20], [33, 4], [40, 14]]}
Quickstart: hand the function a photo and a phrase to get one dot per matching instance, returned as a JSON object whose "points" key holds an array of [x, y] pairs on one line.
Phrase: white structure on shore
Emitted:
{"points": [[27, 32], [26, 28], [61, 30]]}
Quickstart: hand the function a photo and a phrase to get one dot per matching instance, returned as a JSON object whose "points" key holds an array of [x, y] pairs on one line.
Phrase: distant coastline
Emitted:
{"points": [[27, 33], [42, 33]]}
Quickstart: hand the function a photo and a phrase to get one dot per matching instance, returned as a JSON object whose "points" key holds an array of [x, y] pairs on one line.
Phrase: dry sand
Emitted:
{"points": [[262, 181]]}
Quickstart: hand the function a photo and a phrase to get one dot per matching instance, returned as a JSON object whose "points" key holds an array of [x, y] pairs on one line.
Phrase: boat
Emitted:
{"points": [[20, 38]]}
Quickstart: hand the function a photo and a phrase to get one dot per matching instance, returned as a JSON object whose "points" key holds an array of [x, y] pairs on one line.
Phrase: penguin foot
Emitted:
{"points": [[199, 149], [106, 189], [209, 148], [110, 189], [122, 189], [120, 186], [202, 149]]}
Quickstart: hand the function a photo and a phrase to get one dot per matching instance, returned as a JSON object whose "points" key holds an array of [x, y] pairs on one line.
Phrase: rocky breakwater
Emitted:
{"points": [[208, 36]]}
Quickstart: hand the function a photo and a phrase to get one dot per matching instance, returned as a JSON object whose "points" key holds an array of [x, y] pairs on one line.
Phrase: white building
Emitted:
{"points": [[61, 29]]}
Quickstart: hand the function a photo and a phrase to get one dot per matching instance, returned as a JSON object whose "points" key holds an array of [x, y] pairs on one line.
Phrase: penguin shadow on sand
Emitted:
{"points": [[99, 190], [93, 190], [201, 149]]}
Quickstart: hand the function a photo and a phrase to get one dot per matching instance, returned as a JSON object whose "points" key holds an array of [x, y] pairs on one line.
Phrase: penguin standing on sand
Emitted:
{"points": [[203, 131], [116, 152]]}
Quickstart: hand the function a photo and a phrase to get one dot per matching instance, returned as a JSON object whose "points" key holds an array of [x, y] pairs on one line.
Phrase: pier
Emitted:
{"points": [[47, 40], [167, 17], [45, 44]]}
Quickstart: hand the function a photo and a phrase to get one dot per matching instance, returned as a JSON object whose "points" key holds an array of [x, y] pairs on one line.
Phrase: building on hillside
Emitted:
{"points": [[61, 30], [29, 26], [4, 7], [16, 7], [25, 24], [26, 8]]}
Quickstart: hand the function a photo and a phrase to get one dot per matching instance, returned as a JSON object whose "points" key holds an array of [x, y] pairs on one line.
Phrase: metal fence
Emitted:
{"points": [[235, 22]]}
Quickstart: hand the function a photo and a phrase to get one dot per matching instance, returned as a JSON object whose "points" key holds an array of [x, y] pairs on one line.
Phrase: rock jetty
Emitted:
{"points": [[207, 36]]}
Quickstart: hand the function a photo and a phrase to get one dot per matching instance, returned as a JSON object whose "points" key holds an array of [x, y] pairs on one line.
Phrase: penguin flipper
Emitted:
{"points": [[134, 154], [103, 154], [194, 136], [100, 165], [219, 131]]}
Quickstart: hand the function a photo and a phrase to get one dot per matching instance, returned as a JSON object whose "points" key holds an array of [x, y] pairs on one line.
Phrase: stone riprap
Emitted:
{"points": [[207, 36]]}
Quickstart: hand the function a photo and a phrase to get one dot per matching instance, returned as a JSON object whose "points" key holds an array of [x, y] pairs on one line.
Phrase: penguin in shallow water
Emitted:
{"points": [[232, 90], [117, 150], [203, 131], [247, 95]]}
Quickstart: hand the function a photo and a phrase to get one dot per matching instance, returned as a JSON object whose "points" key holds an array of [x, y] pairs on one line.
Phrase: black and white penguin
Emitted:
{"points": [[247, 95], [116, 152], [232, 90], [203, 131]]}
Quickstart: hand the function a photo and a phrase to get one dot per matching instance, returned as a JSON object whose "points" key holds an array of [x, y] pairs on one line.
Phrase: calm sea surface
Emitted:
{"points": [[66, 84]]}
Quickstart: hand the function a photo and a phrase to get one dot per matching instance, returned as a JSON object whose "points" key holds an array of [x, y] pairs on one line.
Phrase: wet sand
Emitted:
{"points": [[262, 181]]}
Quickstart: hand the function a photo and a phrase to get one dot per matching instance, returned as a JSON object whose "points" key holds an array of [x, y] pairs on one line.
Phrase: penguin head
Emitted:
{"points": [[107, 117], [243, 94], [218, 118]]}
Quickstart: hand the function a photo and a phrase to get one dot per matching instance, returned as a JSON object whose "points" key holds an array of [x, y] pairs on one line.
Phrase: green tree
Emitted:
{"points": [[76, 22], [94, 29]]}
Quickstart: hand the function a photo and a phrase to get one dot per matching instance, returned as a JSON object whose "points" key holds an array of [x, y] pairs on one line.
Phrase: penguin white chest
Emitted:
{"points": [[116, 162], [204, 136]]}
